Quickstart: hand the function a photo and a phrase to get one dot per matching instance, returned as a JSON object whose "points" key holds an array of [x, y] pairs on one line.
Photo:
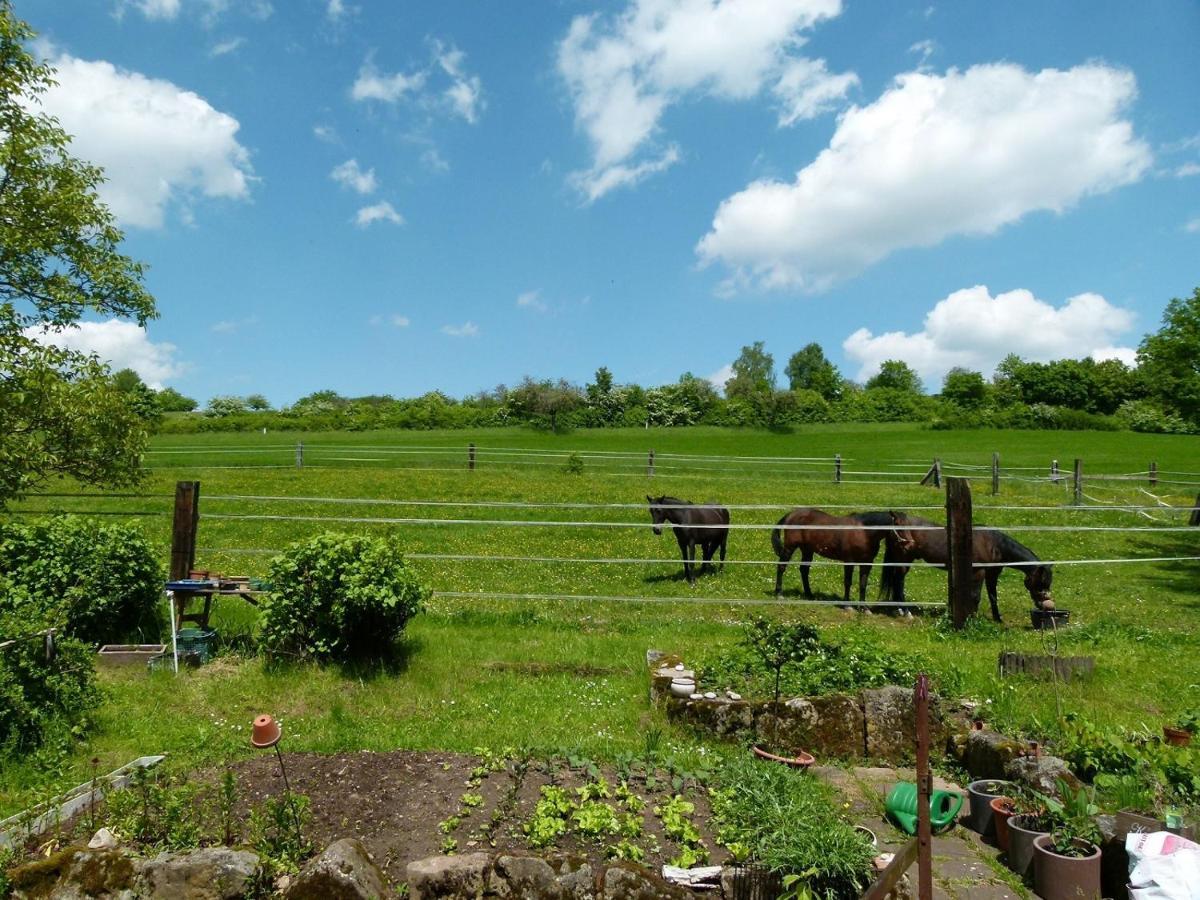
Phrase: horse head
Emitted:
{"points": [[901, 532], [1037, 582], [658, 515]]}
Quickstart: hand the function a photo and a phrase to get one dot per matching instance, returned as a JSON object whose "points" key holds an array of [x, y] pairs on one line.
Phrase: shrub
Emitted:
{"points": [[38, 696], [1145, 415], [341, 598], [97, 582]]}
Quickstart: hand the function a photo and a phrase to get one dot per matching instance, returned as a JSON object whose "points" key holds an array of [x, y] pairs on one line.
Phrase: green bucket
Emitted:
{"points": [[901, 805]]}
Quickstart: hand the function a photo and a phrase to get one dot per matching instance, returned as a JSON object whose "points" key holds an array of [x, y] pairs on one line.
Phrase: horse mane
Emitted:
{"points": [[1013, 550], [875, 517]]}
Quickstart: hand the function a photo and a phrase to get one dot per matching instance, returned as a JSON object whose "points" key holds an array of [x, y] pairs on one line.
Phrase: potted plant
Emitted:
{"points": [[779, 645], [1002, 811], [982, 792], [1066, 862], [1180, 734], [1034, 814]]}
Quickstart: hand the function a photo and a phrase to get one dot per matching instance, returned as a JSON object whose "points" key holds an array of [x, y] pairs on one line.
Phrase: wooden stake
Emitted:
{"points": [[924, 784], [471, 456], [1078, 490], [961, 594], [995, 473], [1054, 470], [650, 463], [300, 455], [183, 531], [937, 472], [1153, 474], [1194, 519], [837, 469]]}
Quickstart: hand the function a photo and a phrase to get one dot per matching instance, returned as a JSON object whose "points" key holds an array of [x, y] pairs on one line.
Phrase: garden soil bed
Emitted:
{"points": [[393, 802]]}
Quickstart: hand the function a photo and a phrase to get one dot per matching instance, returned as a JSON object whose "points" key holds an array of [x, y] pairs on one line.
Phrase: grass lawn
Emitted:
{"points": [[494, 672]]}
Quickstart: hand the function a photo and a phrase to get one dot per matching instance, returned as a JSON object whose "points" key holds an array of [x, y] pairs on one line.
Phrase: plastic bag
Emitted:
{"points": [[1163, 866]]}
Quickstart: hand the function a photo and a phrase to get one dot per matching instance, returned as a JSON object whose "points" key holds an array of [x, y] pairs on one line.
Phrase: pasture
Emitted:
{"points": [[543, 644]]}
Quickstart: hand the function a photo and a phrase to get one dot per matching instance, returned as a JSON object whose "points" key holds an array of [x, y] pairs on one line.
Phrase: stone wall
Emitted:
{"points": [[876, 723]]}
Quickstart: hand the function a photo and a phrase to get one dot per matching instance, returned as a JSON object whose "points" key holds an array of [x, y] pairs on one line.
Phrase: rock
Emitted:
{"points": [[1042, 773], [103, 840], [213, 873], [632, 883], [344, 871], [575, 877], [891, 723], [831, 725], [524, 876], [448, 876], [721, 717], [986, 754], [75, 874], [733, 695]]}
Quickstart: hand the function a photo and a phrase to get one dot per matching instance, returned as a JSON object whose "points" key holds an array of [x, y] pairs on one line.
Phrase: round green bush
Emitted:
{"points": [[339, 598], [98, 582]]}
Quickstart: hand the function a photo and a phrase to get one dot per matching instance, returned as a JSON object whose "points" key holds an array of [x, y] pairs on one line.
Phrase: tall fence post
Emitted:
{"points": [[471, 456], [1054, 471], [924, 784], [300, 455], [837, 468], [1194, 518], [183, 530], [937, 472], [1078, 489], [1153, 474], [960, 540], [650, 463], [995, 473]]}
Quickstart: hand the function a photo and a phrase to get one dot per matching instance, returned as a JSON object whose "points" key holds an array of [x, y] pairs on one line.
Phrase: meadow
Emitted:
{"points": [[544, 646]]}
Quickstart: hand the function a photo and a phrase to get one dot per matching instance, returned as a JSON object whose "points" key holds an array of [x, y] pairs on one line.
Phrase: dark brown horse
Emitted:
{"points": [[706, 526], [916, 541], [848, 541]]}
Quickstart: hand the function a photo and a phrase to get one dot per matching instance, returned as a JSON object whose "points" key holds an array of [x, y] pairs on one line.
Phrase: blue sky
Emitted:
{"points": [[395, 198]]}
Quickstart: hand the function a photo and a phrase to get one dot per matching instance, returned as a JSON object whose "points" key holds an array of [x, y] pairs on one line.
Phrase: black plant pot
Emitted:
{"points": [[1049, 618]]}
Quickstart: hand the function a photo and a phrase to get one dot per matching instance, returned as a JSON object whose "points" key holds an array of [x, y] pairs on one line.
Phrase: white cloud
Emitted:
{"points": [[624, 71], [465, 94], [372, 84], [532, 300], [395, 320], [926, 48], [123, 345], [160, 145], [349, 175], [154, 9], [378, 212], [594, 185], [229, 326], [325, 133], [934, 156], [1192, 225], [1127, 355], [336, 10], [210, 10], [225, 47], [466, 329], [718, 378], [1187, 170], [973, 329], [433, 161]]}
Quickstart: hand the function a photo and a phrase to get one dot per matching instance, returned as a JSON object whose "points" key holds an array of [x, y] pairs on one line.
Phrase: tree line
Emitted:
{"points": [[1162, 394]]}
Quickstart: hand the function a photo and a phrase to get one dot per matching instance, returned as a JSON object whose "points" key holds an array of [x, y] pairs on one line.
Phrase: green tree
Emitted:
{"points": [[546, 400], [898, 375], [60, 412], [225, 405], [753, 374], [140, 397], [809, 370], [964, 387], [258, 402], [1169, 359], [170, 400]]}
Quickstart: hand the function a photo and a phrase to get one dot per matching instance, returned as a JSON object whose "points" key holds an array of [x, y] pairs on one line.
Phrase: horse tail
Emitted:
{"points": [[777, 538]]}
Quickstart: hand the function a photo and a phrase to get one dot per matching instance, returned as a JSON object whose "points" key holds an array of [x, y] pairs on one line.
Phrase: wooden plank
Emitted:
{"points": [[890, 877], [183, 529], [962, 595]]}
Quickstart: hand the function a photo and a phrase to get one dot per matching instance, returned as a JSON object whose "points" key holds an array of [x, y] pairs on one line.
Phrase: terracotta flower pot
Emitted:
{"points": [[1176, 737], [801, 761], [1020, 845], [1002, 811], [1058, 877], [266, 732]]}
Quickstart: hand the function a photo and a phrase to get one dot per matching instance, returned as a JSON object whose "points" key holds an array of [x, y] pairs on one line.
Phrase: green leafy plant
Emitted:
{"points": [[1077, 828], [574, 464], [276, 830], [778, 645], [675, 815], [471, 801], [1189, 721], [340, 597], [593, 818], [627, 850], [549, 820], [595, 789]]}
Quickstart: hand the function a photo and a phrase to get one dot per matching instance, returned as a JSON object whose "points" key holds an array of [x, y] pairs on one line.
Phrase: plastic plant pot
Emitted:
{"points": [[1002, 811], [1020, 845], [982, 792], [1057, 877]]}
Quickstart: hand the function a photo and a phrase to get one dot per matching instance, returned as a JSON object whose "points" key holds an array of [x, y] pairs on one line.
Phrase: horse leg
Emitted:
{"points": [[805, 564], [709, 549], [848, 580], [683, 551], [992, 579], [864, 575], [780, 569], [692, 560]]}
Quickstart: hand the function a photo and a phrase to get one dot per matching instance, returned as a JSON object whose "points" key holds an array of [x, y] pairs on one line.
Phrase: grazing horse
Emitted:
{"points": [[852, 544], [988, 546], [707, 526]]}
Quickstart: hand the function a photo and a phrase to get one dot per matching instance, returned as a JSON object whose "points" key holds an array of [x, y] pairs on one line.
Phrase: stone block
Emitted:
{"points": [[345, 871]]}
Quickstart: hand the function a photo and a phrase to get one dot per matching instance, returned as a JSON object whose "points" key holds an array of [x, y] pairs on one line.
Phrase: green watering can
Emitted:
{"points": [[901, 804]]}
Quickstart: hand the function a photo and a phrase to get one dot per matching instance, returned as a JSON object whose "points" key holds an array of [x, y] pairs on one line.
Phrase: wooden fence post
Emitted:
{"points": [[1054, 471], [937, 472], [183, 531], [1078, 482], [837, 468], [995, 473], [300, 455], [961, 594], [924, 784], [1153, 474], [471, 456], [650, 463], [1194, 519]]}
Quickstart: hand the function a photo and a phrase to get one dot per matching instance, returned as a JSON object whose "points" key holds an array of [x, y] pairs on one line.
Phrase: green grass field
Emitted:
{"points": [[487, 671]]}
